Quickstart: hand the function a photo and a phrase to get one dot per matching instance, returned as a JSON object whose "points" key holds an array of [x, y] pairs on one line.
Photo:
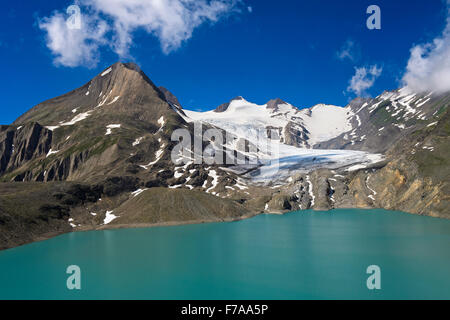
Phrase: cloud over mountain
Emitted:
{"points": [[113, 22], [428, 67], [73, 47], [363, 79]]}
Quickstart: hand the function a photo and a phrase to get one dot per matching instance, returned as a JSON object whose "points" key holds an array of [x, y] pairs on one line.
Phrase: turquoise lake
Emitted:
{"points": [[301, 255]]}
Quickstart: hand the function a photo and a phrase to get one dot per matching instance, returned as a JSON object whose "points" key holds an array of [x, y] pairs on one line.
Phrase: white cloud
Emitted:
{"points": [[250, 9], [113, 22], [347, 51], [363, 79], [73, 47], [428, 67]]}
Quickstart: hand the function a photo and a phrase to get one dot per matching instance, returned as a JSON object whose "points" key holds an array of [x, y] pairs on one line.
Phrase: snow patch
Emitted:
{"points": [[110, 127], [178, 174], [161, 122], [114, 100], [137, 141], [104, 100], [363, 106], [359, 120], [421, 104], [106, 72], [158, 155], [77, 118], [138, 192], [50, 152], [374, 193], [310, 189], [356, 167], [213, 174], [109, 217]]}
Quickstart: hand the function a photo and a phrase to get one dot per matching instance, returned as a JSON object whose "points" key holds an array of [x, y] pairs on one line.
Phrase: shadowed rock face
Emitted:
{"points": [[170, 97], [18, 145], [224, 107], [274, 103]]}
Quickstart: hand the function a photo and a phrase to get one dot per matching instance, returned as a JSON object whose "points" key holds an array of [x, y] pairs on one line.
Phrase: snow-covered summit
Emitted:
{"points": [[298, 130], [299, 127], [325, 122]]}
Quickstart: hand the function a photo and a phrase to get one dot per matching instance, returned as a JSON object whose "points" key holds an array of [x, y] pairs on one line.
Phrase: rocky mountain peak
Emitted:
{"points": [[274, 103], [224, 107], [356, 103], [119, 90], [124, 76]]}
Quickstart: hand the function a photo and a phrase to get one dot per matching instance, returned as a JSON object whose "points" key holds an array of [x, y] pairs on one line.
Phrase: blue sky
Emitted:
{"points": [[291, 49]]}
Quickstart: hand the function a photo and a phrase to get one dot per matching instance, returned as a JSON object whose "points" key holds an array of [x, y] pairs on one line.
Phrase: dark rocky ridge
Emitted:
{"points": [[274, 103], [18, 145], [170, 97], [224, 107]]}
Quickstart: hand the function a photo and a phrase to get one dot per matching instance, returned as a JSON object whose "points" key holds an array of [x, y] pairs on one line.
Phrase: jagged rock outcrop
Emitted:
{"points": [[224, 107], [274, 103], [20, 145], [170, 97]]}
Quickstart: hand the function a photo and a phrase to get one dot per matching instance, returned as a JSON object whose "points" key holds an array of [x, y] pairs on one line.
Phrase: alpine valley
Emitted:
{"points": [[100, 157]]}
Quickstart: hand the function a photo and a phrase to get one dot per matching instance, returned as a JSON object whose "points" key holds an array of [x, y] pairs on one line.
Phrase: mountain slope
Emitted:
{"points": [[413, 177], [113, 135], [107, 127], [387, 118]]}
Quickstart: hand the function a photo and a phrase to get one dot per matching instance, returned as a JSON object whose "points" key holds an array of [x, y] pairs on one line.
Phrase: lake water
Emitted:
{"points": [[302, 255]]}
